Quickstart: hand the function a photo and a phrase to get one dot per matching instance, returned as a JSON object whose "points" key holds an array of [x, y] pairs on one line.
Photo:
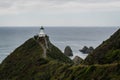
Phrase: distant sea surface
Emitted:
{"points": [[75, 37]]}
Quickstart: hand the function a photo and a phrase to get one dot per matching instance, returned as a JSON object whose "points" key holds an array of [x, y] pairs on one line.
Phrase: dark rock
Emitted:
{"points": [[77, 60], [84, 49], [87, 50], [68, 51], [90, 50]]}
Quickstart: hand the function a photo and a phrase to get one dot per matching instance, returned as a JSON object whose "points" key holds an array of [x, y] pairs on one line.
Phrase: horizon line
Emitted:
{"points": [[59, 26]]}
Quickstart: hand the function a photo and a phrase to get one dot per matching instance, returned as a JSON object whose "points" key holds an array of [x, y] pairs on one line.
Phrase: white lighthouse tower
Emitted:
{"points": [[41, 33]]}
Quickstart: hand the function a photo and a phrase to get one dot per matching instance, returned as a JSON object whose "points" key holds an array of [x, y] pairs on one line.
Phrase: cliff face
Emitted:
{"points": [[107, 52], [28, 61]]}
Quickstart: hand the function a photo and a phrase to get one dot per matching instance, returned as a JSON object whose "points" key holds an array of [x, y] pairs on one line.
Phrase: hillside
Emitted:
{"points": [[28, 60], [88, 72], [107, 52], [39, 59]]}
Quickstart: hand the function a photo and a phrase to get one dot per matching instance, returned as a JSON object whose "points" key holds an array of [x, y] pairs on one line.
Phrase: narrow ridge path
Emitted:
{"points": [[44, 49]]}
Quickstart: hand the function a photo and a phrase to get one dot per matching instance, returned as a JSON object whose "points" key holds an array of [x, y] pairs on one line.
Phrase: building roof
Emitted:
{"points": [[42, 27]]}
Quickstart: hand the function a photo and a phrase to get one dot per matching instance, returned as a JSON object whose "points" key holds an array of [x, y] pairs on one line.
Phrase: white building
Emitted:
{"points": [[41, 33]]}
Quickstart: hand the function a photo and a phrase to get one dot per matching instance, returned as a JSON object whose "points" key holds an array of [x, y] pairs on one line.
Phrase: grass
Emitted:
{"points": [[27, 63]]}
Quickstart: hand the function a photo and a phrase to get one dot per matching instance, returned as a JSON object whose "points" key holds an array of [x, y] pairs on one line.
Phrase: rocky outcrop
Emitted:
{"points": [[87, 50], [90, 49], [68, 51], [77, 60], [84, 49]]}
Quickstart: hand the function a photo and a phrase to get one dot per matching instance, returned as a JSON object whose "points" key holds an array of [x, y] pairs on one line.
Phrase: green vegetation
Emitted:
{"points": [[27, 63], [107, 52], [56, 54], [93, 72]]}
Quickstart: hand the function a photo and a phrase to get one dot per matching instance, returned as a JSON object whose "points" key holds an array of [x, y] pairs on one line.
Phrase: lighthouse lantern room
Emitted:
{"points": [[41, 33]]}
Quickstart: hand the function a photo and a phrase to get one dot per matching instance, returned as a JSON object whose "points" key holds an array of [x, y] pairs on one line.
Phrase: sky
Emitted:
{"points": [[60, 12]]}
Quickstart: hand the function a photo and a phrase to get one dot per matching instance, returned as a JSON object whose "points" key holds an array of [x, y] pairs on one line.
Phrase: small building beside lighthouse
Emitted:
{"points": [[41, 33]]}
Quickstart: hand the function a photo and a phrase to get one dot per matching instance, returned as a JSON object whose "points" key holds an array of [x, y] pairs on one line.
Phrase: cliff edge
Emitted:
{"points": [[108, 52]]}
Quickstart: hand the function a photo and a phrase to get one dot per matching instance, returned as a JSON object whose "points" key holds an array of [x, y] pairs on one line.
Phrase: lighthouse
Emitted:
{"points": [[41, 33]]}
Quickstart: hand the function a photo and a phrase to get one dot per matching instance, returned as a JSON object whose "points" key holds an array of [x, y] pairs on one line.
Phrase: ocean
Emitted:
{"points": [[75, 37]]}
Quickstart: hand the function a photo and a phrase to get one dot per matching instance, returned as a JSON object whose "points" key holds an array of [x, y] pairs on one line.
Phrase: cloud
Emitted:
{"points": [[81, 1], [19, 6], [59, 12]]}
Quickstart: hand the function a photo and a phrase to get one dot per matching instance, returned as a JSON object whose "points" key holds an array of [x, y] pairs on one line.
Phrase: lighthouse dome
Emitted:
{"points": [[41, 33]]}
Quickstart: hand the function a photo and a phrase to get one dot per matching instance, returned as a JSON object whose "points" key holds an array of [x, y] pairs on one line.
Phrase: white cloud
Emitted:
{"points": [[59, 12], [20, 6]]}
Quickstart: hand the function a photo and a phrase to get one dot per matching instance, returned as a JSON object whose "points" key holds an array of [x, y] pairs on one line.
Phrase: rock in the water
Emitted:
{"points": [[84, 49], [90, 49], [77, 60], [68, 51], [87, 50]]}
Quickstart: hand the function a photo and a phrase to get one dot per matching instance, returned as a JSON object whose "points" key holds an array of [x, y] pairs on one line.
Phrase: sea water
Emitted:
{"points": [[75, 37]]}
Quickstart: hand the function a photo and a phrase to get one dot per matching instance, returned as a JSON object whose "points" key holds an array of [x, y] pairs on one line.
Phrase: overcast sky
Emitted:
{"points": [[60, 12]]}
